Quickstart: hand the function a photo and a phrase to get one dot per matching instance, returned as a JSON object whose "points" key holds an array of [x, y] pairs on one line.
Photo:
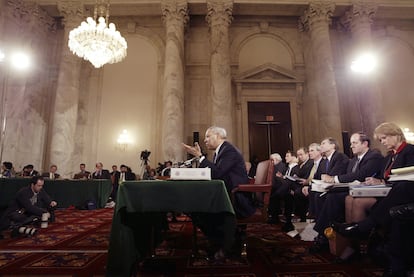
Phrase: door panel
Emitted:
{"points": [[266, 134]]}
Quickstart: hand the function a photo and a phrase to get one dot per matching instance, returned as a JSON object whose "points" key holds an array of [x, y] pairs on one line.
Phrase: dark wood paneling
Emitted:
{"points": [[280, 129]]}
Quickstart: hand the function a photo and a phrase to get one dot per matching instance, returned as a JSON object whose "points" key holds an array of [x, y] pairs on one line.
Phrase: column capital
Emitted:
{"points": [[72, 12], [174, 10], [219, 12], [29, 15], [318, 12], [359, 13]]}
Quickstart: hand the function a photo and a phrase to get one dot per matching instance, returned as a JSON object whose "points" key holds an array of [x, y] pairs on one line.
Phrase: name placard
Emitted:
{"points": [[190, 173]]}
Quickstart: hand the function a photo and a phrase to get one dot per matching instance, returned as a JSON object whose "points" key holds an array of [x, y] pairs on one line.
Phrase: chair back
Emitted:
{"points": [[264, 174]]}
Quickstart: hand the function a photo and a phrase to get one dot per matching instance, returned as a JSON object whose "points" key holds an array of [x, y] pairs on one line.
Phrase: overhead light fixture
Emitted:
{"points": [[96, 40]]}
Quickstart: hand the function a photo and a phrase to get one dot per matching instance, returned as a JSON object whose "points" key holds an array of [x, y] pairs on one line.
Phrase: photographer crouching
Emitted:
{"points": [[31, 205]]}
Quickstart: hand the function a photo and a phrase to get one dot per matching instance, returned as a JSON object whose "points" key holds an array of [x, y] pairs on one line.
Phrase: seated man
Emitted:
{"points": [[227, 165], [365, 163], [7, 170], [100, 173], [52, 173], [29, 205], [280, 186], [28, 171], [83, 173]]}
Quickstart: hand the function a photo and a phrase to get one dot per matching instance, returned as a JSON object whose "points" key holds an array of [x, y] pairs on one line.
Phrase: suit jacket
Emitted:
{"points": [[47, 175], [305, 169], [104, 175], [129, 176], [321, 169], [230, 168], [82, 175], [403, 159], [370, 165], [31, 174], [402, 192], [280, 167], [294, 171], [338, 164]]}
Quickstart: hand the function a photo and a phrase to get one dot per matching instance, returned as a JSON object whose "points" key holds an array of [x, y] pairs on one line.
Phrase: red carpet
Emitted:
{"points": [[76, 245]]}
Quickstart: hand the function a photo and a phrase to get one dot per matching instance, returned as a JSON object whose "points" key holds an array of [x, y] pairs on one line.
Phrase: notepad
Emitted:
{"points": [[402, 174], [369, 191]]}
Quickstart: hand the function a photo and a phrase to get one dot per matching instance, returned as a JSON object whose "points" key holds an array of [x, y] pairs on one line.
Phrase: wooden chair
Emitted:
{"points": [[264, 175], [262, 192]]}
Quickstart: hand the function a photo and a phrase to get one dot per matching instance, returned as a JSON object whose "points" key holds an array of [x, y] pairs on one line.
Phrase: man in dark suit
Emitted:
{"points": [[298, 199], [336, 163], [280, 185], [28, 171], [318, 168], [227, 165], [52, 173], [83, 173], [100, 173], [365, 163]]}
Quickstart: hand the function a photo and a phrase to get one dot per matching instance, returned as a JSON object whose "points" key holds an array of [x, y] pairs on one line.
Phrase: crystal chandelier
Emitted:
{"points": [[96, 41]]}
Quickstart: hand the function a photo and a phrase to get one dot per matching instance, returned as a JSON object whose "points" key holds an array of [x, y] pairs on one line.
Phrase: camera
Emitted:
{"points": [[145, 155]]}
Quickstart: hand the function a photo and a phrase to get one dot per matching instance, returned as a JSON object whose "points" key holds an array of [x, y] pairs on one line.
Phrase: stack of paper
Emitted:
{"points": [[402, 174], [321, 186]]}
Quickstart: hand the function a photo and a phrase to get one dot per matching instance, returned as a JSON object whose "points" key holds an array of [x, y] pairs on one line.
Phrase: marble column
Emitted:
{"points": [[316, 21], [219, 18], [65, 113], [175, 16], [359, 20]]}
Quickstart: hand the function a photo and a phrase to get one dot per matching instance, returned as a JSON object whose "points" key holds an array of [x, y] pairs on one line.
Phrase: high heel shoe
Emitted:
{"points": [[350, 230]]}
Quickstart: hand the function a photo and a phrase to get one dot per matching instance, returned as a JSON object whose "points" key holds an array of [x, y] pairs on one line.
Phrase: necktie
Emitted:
{"points": [[288, 171], [327, 165], [122, 178], [355, 167], [214, 157], [312, 172], [51, 175]]}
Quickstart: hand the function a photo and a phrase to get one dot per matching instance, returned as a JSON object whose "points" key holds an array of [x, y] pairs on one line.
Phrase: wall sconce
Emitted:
{"points": [[123, 140], [409, 136]]}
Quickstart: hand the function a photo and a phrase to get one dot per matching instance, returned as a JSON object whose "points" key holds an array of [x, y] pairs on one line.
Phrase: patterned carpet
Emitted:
{"points": [[76, 245]]}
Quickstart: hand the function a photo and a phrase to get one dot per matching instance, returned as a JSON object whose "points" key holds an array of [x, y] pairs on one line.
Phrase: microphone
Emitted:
{"points": [[188, 162]]}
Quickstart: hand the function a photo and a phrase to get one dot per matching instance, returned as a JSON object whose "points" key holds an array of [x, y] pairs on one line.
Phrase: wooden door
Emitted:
{"points": [[270, 129]]}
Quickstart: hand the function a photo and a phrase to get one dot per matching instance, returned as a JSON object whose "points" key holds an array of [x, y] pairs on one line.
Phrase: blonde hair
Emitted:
{"points": [[389, 129]]}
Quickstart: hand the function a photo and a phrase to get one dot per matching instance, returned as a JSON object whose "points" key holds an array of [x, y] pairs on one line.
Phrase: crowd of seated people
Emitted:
{"points": [[292, 186]]}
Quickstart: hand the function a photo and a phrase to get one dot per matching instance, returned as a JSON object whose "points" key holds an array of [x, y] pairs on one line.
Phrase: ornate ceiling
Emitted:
{"points": [[387, 9]]}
